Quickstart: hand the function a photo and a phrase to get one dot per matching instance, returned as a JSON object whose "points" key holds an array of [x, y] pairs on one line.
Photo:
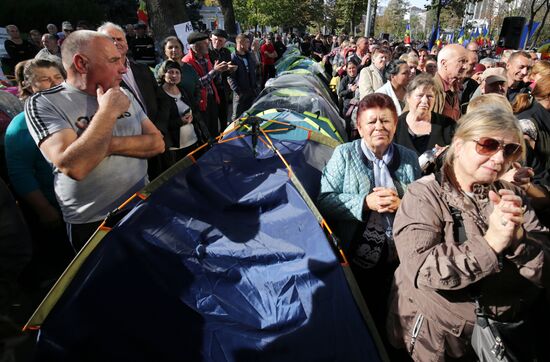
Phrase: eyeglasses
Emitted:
{"points": [[487, 146]]}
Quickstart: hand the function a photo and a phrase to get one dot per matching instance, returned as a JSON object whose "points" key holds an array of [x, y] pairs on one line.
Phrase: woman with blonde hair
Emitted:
{"points": [[475, 243], [539, 70]]}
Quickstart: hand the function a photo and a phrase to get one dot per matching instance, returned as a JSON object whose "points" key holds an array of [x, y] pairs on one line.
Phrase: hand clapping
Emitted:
{"points": [[505, 222]]}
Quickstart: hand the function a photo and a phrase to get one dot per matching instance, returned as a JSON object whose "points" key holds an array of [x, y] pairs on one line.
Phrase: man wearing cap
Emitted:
{"points": [[268, 56], [218, 52], [66, 30], [199, 59], [143, 47], [493, 80], [95, 135]]}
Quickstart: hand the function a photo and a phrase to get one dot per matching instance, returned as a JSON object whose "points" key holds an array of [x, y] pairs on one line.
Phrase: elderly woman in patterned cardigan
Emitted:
{"points": [[361, 189]]}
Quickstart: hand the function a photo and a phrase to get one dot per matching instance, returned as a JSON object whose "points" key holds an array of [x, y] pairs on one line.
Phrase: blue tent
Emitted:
{"points": [[222, 259]]}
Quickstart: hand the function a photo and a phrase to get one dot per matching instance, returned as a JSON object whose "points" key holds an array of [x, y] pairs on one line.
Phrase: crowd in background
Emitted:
{"points": [[475, 125]]}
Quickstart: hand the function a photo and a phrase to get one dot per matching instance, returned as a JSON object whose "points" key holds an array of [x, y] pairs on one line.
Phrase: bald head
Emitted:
{"points": [[78, 43], [472, 46], [471, 63], [451, 62]]}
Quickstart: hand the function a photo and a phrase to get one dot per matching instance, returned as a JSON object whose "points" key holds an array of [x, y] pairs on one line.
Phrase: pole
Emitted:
{"points": [[368, 19]]}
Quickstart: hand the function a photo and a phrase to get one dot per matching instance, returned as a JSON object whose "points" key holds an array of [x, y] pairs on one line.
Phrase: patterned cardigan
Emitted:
{"points": [[348, 178]]}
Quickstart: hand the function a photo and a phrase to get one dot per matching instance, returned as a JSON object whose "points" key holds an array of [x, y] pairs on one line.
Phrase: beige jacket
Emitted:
{"points": [[369, 81], [433, 284]]}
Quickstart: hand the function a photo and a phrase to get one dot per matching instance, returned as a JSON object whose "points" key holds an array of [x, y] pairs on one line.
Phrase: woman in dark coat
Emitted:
{"points": [[419, 128]]}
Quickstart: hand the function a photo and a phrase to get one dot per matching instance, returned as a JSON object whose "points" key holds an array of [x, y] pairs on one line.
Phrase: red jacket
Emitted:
{"points": [[190, 59]]}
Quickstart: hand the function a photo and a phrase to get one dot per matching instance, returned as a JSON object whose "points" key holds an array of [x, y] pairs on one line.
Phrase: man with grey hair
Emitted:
{"points": [[50, 50], [52, 29], [451, 65], [138, 79], [95, 134], [199, 59], [488, 62]]}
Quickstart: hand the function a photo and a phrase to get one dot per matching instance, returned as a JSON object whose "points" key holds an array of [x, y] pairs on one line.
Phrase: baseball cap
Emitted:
{"points": [[66, 25], [493, 75]]}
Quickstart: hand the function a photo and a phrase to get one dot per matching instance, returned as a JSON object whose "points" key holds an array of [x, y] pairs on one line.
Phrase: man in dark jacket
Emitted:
{"points": [[138, 79], [218, 52], [143, 47], [243, 80]]}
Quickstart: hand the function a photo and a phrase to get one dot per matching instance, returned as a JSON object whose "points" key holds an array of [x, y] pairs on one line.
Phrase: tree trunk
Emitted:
{"points": [[541, 26], [163, 15], [229, 17]]}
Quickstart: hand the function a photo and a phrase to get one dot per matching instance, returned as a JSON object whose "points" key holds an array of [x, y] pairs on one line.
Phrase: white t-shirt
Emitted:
{"points": [[187, 131]]}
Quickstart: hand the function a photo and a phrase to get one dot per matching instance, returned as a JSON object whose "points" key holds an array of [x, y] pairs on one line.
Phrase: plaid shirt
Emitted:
{"points": [[205, 81]]}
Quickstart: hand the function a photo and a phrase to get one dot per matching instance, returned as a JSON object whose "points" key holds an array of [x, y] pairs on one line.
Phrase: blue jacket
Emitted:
{"points": [[348, 178]]}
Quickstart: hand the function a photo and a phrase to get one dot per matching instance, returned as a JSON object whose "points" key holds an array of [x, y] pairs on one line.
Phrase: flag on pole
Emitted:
{"points": [[142, 12], [215, 24], [407, 39], [434, 37], [460, 39]]}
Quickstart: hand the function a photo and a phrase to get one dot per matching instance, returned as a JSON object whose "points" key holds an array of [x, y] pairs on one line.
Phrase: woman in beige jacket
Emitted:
{"points": [[490, 249]]}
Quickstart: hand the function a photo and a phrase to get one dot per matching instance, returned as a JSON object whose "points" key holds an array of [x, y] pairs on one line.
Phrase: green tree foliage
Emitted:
{"points": [[350, 13], [285, 13], [393, 21]]}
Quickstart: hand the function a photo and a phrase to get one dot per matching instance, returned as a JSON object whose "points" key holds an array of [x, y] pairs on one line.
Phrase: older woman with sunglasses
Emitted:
{"points": [[461, 235]]}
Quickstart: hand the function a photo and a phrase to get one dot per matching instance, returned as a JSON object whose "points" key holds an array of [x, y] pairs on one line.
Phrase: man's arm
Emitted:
{"points": [[146, 145], [76, 156]]}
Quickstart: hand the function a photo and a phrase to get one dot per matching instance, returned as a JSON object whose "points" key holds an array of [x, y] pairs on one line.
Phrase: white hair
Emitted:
{"points": [[109, 25]]}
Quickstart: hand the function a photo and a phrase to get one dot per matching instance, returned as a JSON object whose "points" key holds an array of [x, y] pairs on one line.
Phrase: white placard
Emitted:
{"points": [[182, 31], [3, 38]]}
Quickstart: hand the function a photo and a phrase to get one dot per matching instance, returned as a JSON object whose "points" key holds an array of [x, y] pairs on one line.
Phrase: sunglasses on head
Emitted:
{"points": [[487, 146]]}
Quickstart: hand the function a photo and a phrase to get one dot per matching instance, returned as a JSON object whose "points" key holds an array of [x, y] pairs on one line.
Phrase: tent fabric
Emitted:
{"points": [[300, 100], [291, 79], [281, 119], [223, 262]]}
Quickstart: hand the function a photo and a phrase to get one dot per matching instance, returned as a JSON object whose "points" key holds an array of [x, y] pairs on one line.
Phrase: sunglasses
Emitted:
{"points": [[487, 146]]}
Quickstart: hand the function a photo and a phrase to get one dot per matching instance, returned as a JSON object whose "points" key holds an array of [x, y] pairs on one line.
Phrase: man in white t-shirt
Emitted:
{"points": [[95, 134]]}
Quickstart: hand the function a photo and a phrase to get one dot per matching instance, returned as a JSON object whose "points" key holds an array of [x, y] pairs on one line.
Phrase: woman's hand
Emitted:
{"points": [[383, 199], [506, 220], [522, 176], [187, 118]]}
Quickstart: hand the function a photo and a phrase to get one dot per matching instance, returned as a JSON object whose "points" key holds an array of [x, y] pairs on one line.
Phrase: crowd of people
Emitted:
{"points": [[441, 198]]}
